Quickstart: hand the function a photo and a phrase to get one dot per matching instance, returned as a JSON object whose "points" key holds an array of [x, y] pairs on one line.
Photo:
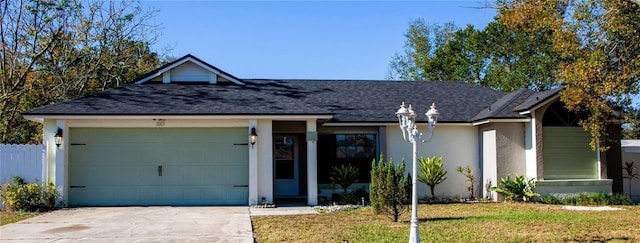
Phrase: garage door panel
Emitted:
{"points": [[234, 177], [121, 166], [237, 194]]}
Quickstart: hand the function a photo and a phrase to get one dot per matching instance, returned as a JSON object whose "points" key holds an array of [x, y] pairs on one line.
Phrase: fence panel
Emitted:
{"points": [[24, 160]]}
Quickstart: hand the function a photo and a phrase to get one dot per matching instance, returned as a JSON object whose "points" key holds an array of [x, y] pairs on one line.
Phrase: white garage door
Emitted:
{"points": [[158, 166]]}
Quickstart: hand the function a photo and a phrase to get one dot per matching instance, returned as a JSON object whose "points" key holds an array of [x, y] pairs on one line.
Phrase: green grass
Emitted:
{"points": [[482, 222], [8, 217]]}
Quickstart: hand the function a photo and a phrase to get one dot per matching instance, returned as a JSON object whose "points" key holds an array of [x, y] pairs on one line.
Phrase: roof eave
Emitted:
{"points": [[500, 120], [41, 118], [539, 104]]}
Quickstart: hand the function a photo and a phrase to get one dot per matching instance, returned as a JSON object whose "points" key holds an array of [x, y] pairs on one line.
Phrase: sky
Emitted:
{"points": [[353, 40]]}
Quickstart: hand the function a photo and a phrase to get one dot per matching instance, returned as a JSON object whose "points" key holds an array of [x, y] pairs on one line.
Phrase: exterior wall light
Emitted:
{"points": [[58, 137], [410, 133], [253, 136]]}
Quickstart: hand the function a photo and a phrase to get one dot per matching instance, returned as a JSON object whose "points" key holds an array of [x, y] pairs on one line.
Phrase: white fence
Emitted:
{"points": [[24, 160]]}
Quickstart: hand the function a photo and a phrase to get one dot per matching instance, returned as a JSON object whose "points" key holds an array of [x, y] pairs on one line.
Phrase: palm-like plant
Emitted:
{"points": [[516, 189], [344, 175], [432, 172], [631, 173]]}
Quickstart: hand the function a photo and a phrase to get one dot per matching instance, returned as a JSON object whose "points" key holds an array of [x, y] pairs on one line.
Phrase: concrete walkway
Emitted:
{"points": [[134, 224], [284, 210]]}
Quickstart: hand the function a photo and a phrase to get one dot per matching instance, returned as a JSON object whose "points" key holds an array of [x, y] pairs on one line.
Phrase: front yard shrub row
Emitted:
{"points": [[589, 199], [29, 197]]}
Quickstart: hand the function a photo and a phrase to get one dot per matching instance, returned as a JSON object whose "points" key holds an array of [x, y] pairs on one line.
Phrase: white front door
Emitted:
{"points": [[285, 163]]}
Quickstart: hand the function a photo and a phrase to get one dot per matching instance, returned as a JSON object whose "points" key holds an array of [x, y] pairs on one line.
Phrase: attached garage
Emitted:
{"points": [[158, 166]]}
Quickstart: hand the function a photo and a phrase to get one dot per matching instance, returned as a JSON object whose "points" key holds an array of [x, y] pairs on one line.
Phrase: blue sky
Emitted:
{"points": [[302, 39]]}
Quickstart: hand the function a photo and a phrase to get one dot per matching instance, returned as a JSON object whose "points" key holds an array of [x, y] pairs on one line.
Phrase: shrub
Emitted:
{"points": [[516, 189], [586, 199], [432, 172], [471, 180], [620, 199], [344, 175], [389, 188], [21, 196], [551, 199]]}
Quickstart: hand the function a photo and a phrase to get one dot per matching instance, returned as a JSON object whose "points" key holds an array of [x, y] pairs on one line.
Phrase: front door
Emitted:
{"points": [[285, 163]]}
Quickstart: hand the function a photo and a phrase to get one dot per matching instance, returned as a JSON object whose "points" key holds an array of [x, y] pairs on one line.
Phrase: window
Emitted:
{"points": [[358, 150], [355, 146]]}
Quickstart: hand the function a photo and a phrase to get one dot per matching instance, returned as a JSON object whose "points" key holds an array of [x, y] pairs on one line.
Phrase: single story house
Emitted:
{"points": [[631, 153], [180, 135]]}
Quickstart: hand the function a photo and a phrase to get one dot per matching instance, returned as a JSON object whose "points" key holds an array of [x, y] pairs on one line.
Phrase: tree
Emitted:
{"points": [[389, 189], [631, 130], [57, 50], [599, 52], [497, 57], [422, 41], [432, 172]]}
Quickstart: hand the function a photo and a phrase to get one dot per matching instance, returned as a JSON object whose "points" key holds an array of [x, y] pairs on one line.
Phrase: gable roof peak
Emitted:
{"points": [[188, 69]]}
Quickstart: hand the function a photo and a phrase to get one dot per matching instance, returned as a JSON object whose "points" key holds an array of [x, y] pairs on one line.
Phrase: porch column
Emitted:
{"points": [[312, 163], [265, 160], [530, 138], [253, 167], [56, 156]]}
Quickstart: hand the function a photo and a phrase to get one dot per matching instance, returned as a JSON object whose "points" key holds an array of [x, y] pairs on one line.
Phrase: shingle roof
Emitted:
{"points": [[347, 100], [537, 98]]}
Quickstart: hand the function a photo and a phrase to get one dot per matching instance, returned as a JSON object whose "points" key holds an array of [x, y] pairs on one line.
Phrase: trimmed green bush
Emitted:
{"points": [[30, 197], [518, 189]]}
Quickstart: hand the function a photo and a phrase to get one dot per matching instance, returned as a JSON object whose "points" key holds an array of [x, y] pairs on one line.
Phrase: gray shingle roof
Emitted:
{"points": [[346, 100], [537, 98]]}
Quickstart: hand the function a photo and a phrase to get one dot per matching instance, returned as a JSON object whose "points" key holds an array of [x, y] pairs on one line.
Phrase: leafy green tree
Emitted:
{"points": [[57, 50], [432, 172], [422, 41], [599, 52], [389, 190], [497, 57], [344, 175]]}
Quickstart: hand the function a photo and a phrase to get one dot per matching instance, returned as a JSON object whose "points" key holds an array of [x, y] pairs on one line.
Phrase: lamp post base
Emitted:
{"points": [[414, 234]]}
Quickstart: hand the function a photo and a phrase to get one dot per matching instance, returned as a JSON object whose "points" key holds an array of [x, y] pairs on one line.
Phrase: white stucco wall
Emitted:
{"points": [[511, 149], [457, 144], [631, 152]]}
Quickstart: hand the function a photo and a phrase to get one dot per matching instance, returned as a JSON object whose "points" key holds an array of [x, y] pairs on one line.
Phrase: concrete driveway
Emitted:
{"points": [[134, 224]]}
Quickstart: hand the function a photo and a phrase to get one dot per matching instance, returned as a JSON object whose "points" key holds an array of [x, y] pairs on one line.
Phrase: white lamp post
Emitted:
{"points": [[410, 133]]}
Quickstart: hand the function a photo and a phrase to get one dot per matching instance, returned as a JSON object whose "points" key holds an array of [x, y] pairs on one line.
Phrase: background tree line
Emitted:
{"points": [[591, 48], [54, 50]]}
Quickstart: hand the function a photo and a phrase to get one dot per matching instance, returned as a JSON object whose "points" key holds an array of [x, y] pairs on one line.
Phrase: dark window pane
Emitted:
{"points": [[284, 169]]}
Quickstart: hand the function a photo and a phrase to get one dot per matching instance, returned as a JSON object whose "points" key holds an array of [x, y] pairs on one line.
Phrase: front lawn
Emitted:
{"points": [[481, 222], [7, 217]]}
